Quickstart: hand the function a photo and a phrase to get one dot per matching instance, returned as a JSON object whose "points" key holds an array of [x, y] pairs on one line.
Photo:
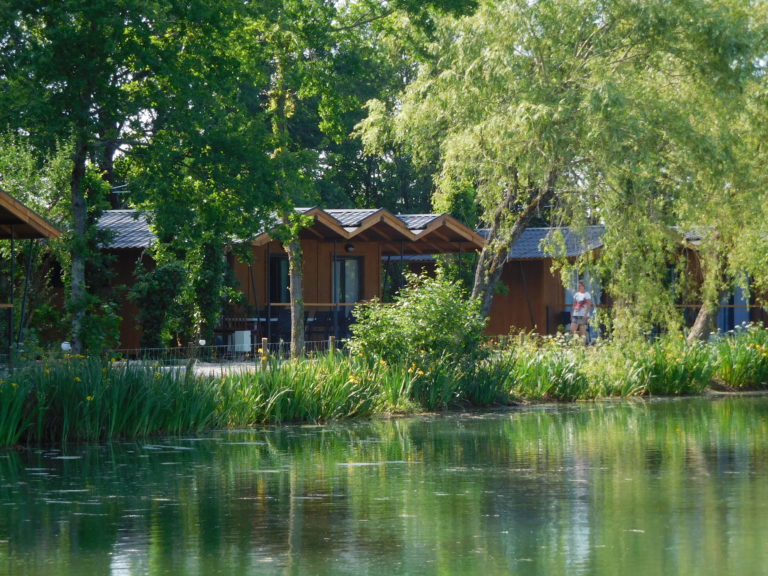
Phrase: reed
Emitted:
{"points": [[742, 358], [90, 399], [328, 387]]}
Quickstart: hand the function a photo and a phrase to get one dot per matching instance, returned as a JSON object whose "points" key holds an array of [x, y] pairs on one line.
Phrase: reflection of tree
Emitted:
{"points": [[599, 487]]}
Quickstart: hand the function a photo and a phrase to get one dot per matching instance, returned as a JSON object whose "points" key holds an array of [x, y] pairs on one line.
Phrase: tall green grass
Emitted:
{"points": [[87, 399], [742, 358], [327, 387]]}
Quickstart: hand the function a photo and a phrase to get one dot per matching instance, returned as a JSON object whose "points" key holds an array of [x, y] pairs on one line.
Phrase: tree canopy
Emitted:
{"points": [[622, 112]]}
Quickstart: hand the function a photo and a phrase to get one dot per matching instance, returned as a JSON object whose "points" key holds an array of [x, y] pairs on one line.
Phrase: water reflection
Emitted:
{"points": [[646, 488]]}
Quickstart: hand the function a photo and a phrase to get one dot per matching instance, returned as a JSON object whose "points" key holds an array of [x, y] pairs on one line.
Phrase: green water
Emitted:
{"points": [[664, 487]]}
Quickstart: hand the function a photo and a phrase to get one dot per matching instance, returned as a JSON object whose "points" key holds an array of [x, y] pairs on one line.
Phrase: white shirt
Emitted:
{"points": [[580, 302]]}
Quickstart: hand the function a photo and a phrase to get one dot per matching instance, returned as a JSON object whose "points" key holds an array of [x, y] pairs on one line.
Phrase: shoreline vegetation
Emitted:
{"points": [[93, 399]]}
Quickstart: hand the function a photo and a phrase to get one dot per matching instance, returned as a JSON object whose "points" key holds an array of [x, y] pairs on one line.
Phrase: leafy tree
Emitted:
{"points": [[156, 293], [69, 73], [35, 178], [582, 108]]}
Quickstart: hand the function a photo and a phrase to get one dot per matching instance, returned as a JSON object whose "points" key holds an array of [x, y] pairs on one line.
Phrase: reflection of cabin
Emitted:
{"points": [[345, 254], [17, 222], [534, 299]]}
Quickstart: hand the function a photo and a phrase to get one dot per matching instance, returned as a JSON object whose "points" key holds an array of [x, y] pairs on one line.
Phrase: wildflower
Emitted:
{"points": [[420, 372], [89, 398], [261, 351], [113, 360], [264, 358], [410, 370], [78, 379], [14, 384], [47, 371], [158, 374]]}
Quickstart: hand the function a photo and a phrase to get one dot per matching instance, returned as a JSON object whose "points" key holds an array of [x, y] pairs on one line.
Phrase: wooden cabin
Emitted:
{"points": [[129, 239], [18, 222], [534, 298], [345, 254]]}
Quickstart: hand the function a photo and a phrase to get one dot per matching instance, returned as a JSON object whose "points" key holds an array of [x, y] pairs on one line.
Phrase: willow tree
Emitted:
{"points": [[531, 105]]}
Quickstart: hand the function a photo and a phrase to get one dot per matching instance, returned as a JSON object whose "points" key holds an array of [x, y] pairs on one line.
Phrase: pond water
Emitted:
{"points": [[655, 487]]}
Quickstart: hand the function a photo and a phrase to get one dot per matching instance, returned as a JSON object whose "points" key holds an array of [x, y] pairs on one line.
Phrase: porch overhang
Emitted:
{"points": [[397, 234], [18, 221]]}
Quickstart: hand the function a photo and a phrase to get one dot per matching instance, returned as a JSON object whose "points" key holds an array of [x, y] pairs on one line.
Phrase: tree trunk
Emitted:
{"points": [[78, 290], [296, 283], [501, 237], [704, 323]]}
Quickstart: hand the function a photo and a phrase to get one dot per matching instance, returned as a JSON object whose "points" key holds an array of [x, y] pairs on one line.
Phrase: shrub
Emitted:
{"points": [[430, 318], [432, 330]]}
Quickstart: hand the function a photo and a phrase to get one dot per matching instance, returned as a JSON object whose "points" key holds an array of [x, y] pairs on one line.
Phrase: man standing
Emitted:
{"points": [[582, 305]]}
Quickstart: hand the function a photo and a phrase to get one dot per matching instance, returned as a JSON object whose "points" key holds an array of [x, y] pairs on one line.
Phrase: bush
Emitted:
{"points": [[432, 329], [431, 317]]}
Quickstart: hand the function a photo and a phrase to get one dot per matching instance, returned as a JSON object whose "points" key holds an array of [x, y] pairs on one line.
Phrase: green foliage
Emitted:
{"points": [[431, 320], [742, 358], [155, 293], [324, 388], [90, 399]]}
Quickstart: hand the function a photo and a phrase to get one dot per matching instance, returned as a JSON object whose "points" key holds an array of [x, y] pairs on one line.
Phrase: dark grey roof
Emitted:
{"points": [[531, 243], [129, 229], [417, 221], [350, 218]]}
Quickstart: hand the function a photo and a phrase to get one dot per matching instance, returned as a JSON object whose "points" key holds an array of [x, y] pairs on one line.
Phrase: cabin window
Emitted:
{"points": [[278, 280], [347, 280]]}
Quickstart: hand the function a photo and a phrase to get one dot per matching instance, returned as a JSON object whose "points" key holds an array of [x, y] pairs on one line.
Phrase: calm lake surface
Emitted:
{"points": [[656, 487]]}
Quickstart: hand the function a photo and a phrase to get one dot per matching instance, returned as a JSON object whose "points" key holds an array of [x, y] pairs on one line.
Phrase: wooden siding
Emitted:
{"points": [[318, 269], [533, 301]]}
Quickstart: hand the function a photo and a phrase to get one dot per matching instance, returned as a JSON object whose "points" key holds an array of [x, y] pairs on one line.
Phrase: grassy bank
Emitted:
{"points": [[89, 399]]}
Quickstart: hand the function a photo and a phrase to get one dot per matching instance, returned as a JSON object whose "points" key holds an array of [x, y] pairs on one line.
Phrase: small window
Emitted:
{"points": [[347, 280], [278, 280]]}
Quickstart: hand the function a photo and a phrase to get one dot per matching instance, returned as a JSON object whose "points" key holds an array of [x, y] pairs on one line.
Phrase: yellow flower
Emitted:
{"points": [[410, 370], [113, 360], [89, 398], [77, 379], [158, 374], [419, 372], [14, 384], [264, 358], [47, 371], [261, 351]]}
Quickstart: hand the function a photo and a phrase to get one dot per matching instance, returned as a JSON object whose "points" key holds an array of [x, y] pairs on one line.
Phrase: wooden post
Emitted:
{"points": [[331, 344], [264, 353]]}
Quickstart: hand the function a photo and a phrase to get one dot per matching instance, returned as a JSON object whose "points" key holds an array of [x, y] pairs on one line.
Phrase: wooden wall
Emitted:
{"points": [[124, 267], [533, 301], [318, 268]]}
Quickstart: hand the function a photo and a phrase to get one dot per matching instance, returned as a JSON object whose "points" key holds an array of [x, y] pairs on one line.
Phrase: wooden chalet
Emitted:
{"points": [[18, 222], [345, 254], [534, 298]]}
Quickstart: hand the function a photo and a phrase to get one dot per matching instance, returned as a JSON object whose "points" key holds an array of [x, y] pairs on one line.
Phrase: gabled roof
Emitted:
{"points": [[409, 233], [413, 233], [18, 221], [129, 229], [532, 243]]}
